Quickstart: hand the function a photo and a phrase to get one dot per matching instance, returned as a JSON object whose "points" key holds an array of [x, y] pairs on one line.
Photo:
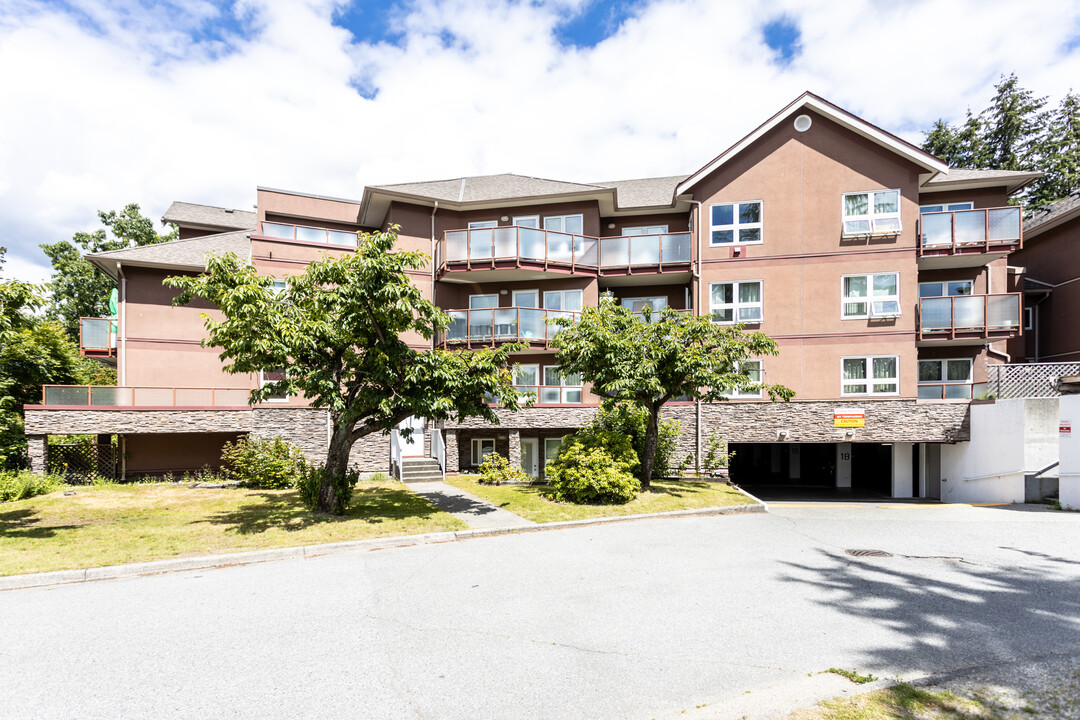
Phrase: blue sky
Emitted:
{"points": [[118, 101]]}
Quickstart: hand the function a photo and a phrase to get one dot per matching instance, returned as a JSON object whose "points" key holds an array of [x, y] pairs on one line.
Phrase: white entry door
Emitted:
{"points": [[530, 456], [412, 446]]}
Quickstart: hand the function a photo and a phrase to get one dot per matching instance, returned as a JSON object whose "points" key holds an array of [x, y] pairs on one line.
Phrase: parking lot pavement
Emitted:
{"points": [[631, 620]]}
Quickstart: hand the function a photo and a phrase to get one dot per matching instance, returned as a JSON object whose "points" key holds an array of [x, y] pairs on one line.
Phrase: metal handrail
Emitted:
{"points": [[517, 243], [976, 318], [438, 449], [142, 396], [973, 235], [395, 454], [503, 324]]}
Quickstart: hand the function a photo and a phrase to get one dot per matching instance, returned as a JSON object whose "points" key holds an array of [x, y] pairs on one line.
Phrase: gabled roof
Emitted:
{"points": [[967, 178], [208, 217], [1052, 215], [838, 115], [187, 254]]}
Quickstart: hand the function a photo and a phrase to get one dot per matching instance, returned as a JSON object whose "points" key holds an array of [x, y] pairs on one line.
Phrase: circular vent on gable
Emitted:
{"points": [[802, 123]]}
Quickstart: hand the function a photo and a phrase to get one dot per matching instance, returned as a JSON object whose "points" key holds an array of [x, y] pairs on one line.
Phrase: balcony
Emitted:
{"points": [[143, 397], [281, 231], [516, 248], [969, 319], [505, 324], [963, 238], [97, 337]]}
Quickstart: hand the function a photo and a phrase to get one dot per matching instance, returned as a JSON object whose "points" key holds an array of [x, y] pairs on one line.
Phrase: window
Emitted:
{"points": [[483, 302], [874, 375], [559, 388], [735, 223], [481, 224], [268, 376], [481, 448], [569, 300], [871, 296], [278, 286], [645, 230], [638, 305], [572, 224], [946, 207], [945, 289], [551, 449], [1029, 318], [736, 302], [753, 371], [529, 221], [526, 298], [527, 377], [872, 213], [950, 379]]}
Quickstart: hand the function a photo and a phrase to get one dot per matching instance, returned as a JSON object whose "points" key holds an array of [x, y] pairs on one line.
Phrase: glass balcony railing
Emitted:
{"points": [[514, 243], [108, 396], [97, 336], [972, 315], [970, 230], [506, 324], [340, 238]]}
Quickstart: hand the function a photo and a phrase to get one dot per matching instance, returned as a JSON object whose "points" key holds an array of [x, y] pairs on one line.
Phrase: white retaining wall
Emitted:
{"points": [[1069, 453]]}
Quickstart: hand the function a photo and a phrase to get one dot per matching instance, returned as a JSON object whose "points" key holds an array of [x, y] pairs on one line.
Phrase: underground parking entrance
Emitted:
{"points": [[828, 471]]}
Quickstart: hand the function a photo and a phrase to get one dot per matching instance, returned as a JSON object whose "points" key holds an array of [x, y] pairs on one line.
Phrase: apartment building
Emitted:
{"points": [[882, 274]]}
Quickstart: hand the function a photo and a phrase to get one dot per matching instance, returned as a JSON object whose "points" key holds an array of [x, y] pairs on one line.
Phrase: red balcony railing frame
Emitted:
{"points": [[959, 248], [94, 351], [984, 330]]}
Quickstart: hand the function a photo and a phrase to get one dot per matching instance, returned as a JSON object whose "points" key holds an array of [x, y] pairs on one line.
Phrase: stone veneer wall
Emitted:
{"points": [[41, 421], [38, 449], [371, 454], [812, 422], [306, 427]]}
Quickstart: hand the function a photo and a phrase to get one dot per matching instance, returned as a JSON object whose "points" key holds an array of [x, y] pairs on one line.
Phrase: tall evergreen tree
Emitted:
{"points": [[1060, 154], [1014, 124]]}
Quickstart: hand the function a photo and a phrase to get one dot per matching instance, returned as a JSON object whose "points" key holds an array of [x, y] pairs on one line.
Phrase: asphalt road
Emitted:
{"points": [[636, 620]]}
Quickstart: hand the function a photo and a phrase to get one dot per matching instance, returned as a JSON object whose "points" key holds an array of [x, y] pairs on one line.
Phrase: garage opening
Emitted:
{"points": [[864, 468]]}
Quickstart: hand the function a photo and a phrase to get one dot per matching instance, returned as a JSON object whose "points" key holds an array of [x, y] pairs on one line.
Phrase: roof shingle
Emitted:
{"points": [[183, 213], [190, 253]]}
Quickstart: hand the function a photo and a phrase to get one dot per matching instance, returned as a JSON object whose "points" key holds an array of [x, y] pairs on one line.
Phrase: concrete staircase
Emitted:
{"points": [[420, 470]]}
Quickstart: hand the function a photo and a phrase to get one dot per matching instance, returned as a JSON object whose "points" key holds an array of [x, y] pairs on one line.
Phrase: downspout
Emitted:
{"points": [[433, 268], [123, 325], [697, 309]]}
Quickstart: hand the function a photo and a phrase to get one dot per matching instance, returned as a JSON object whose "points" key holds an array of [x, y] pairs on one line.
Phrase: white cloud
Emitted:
{"points": [[115, 103]]}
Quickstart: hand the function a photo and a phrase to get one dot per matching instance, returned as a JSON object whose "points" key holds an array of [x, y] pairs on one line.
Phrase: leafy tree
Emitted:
{"points": [[78, 288], [1060, 154], [652, 363], [18, 302], [335, 334]]}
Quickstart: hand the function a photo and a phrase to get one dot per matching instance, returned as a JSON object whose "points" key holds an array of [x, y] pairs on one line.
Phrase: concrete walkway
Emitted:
{"points": [[474, 511]]}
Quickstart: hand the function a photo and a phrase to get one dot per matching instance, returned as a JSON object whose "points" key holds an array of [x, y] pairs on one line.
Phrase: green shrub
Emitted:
{"points": [[496, 470], [21, 484], [596, 470], [311, 478], [716, 454], [265, 464], [633, 420]]}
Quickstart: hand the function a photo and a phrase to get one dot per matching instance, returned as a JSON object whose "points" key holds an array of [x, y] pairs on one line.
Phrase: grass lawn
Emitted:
{"points": [[905, 702], [117, 524], [530, 501]]}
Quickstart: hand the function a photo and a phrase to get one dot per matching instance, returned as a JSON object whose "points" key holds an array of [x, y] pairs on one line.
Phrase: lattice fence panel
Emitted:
{"points": [[1028, 380], [80, 464]]}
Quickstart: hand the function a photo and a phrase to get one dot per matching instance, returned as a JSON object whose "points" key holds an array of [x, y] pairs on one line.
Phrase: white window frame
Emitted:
{"points": [[947, 207], [538, 374], [735, 305], [477, 449], [645, 230], [761, 375], [563, 219], [279, 285], [565, 389], [945, 288], [562, 299], [549, 456], [484, 295], [262, 383], [870, 299], [514, 297], [942, 363], [483, 224], [1029, 318], [876, 223], [869, 381], [534, 219], [736, 226], [654, 313]]}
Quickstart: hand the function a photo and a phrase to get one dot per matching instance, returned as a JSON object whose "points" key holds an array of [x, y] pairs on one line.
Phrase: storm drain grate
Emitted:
{"points": [[868, 553]]}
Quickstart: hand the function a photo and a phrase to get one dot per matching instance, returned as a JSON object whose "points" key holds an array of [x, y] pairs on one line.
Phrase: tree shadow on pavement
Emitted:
{"points": [[948, 612]]}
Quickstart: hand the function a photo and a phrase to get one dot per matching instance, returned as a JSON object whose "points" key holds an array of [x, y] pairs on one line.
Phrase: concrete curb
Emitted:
{"points": [[206, 562]]}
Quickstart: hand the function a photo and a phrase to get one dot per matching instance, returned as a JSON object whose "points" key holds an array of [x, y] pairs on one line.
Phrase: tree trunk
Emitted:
{"points": [[652, 437], [337, 463]]}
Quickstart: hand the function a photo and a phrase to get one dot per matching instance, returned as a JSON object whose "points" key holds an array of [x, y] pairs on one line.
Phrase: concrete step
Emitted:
{"points": [[409, 472], [437, 477]]}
